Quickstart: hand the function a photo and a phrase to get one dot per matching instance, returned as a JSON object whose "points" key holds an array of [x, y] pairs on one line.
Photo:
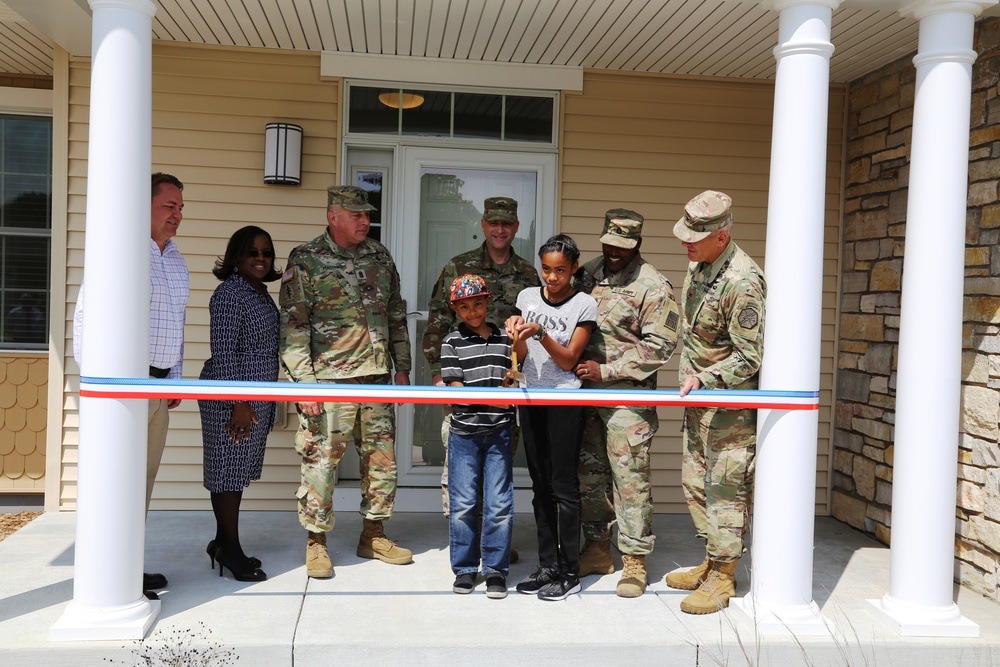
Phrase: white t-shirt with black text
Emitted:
{"points": [[559, 321]]}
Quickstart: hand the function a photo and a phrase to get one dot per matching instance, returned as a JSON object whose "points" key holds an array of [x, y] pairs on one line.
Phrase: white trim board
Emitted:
{"points": [[450, 72], [31, 101]]}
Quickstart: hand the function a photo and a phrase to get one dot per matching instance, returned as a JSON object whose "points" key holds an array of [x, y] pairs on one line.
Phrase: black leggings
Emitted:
{"points": [[552, 435]]}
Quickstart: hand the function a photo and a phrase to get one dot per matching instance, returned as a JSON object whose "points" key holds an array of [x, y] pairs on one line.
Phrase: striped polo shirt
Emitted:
{"points": [[467, 358]]}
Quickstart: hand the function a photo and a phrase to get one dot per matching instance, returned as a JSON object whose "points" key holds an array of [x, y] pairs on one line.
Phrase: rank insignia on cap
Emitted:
{"points": [[500, 209]]}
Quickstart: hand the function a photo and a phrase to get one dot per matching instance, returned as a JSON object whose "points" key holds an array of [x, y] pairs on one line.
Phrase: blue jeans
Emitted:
{"points": [[477, 462]]}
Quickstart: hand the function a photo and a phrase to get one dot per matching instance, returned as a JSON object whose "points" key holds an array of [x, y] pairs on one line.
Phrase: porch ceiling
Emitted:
{"points": [[692, 37]]}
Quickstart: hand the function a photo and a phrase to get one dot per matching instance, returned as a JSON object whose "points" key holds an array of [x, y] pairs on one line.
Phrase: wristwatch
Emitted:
{"points": [[540, 335]]}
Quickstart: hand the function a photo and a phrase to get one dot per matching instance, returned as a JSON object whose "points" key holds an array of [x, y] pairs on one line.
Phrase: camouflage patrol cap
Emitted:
{"points": [[622, 228], [350, 197], [467, 286], [500, 209], [706, 213]]}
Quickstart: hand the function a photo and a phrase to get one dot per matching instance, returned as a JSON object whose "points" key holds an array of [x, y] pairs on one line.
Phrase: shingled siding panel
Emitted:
{"points": [[879, 143], [23, 411], [210, 106], [650, 143]]}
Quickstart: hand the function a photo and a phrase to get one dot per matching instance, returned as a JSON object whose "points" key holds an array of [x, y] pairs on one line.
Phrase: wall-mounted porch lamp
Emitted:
{"points": [[282, 154]]}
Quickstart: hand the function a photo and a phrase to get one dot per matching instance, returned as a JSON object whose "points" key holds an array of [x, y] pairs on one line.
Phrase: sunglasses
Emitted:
{"points": [[254, 252]]}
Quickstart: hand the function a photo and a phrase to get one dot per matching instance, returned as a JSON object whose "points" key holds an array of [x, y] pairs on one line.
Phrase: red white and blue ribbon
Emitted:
{"points": [[307, 392]]}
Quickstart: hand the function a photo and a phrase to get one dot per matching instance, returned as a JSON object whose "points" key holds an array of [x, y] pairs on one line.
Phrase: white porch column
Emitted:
{"points": [[925, 466], [780, 600], [107, 591]]}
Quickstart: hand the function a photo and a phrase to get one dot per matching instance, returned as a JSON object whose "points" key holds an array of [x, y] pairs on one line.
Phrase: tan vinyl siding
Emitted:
{"points": [[648, 142], [651, 143], [210, 106]]}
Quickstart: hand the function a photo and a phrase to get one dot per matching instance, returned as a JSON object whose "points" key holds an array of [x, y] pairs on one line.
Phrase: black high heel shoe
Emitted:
{"points": [[249, 573], [213, 547]]}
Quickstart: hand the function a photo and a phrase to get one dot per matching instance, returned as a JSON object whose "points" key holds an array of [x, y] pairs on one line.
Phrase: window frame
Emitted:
{"points": [[452, 141], [28, 104]]}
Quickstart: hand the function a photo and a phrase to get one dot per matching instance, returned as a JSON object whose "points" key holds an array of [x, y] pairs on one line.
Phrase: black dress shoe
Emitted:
{"points": [[150, 595], [153, 580], [213, 547], [241, 571]]}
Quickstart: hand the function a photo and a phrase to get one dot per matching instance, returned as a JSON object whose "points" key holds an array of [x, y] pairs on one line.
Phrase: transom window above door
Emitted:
{"points": [[451, 114]]}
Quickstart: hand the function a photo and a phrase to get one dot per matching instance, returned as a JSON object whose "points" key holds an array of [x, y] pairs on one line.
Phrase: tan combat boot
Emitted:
{"points": [[688, 580], [714, 593], [595, 558], [633, 581], [374, 544], [318, 563]]}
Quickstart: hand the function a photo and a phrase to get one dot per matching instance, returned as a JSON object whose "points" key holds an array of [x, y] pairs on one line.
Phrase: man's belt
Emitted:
{"points": [[159, 373]]}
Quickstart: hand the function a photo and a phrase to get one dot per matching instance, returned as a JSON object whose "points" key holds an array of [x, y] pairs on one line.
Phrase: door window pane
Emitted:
{"points": [[478, 115], [528, 119], [451, 211], [435, 113], [429, 118], [368, 114], [371, 181]]}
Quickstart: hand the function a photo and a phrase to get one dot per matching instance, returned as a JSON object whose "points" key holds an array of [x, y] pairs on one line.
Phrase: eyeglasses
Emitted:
{"points": [[266, 254]]}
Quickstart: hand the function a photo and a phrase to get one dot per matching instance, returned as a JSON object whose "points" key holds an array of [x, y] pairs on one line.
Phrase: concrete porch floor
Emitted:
{"points": [[373, 613]]}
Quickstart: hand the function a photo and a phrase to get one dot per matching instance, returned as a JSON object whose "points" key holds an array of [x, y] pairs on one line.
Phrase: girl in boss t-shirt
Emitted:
{"points": [[551, 330]]}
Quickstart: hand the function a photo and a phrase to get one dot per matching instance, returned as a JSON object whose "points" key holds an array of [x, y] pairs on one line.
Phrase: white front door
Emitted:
{"points": [[438, 213]]}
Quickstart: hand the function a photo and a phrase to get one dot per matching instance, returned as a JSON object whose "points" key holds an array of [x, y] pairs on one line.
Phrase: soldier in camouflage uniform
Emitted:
{"points": [[505, 273], [343, 321], [637, 321], [723, 333]]}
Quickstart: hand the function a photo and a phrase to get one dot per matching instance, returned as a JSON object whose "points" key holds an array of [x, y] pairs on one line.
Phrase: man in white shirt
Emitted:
{"points": [[168, 296]]}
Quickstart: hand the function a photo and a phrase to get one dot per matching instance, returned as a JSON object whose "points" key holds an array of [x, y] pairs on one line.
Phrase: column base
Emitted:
{"points": [[804, 620], [915, 621], [130, 621]]}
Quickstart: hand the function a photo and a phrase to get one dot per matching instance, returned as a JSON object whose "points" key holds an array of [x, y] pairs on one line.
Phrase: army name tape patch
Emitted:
{"points": [[304, 392]]}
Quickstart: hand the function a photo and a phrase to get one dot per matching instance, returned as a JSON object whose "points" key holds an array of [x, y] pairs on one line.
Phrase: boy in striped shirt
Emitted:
{"points": [[480, 448]]}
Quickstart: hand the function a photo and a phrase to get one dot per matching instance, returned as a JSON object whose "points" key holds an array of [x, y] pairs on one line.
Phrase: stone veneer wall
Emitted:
{"points": [[879, 135]]}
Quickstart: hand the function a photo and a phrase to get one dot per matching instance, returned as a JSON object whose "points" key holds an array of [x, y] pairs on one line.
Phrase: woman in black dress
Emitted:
{"points": [[244, 340]]}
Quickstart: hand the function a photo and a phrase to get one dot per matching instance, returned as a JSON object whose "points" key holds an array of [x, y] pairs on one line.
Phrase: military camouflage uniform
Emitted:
{"points": [[723, 335], [505, 281], [637, 321], [343, 321]]}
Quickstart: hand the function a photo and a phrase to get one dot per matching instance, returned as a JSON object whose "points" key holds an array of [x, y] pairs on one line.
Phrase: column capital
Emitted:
{"points": [[778, 5], [799, 48], [921, 8], [966, 56], [147, 7]]}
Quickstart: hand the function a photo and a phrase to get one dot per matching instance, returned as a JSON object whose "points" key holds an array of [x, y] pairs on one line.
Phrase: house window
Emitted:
{"points": [[444, 114], [25, 230]]}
